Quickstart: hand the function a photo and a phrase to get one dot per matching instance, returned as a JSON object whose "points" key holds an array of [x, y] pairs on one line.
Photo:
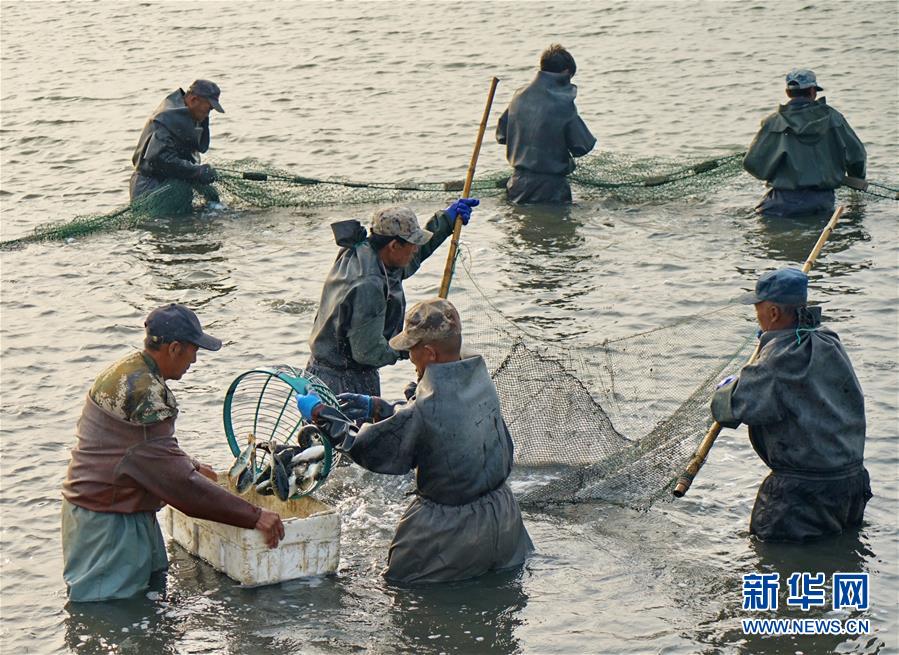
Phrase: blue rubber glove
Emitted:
{"points": [[307, 403], [356, 406], [462, 208], [726, 381]]}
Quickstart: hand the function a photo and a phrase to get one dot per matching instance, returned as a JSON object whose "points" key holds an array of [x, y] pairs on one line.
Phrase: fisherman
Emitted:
{"points": [[543, 132], [806, 417], [170, 145], [127, 464], [464, 521], [803, 151], [363, 302]]}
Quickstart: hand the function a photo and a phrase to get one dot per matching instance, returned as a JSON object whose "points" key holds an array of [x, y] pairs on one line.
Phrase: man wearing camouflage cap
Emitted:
{"points": [[803, 151], [171, 142], [464, 520], [363, 302], [806, 416]]}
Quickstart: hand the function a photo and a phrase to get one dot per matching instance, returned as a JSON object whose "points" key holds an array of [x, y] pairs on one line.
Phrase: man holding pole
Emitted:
{"points": [[363, 302], [806, 416]]}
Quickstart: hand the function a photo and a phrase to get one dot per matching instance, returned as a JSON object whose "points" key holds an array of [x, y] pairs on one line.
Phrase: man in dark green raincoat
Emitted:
{"points": [[806, 416], [803, 151], [363, 301], [464, 520], [543, 132], [171, 142]]}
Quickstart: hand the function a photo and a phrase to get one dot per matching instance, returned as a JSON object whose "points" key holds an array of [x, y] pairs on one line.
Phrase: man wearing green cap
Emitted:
{"points": [[363, 301], [127, 464], [803, 151], [171, 142], [806, 416], [464, 520]]}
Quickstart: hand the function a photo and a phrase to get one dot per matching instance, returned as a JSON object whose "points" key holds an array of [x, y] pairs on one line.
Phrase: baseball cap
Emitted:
{"points": [[802, 78], [399, 222], [429, 320], [785, 286], [208, 90], [176, 322]]}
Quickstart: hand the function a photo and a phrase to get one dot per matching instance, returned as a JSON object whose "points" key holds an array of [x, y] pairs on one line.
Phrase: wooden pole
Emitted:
{"points": [[686, 478], [466, 190]]}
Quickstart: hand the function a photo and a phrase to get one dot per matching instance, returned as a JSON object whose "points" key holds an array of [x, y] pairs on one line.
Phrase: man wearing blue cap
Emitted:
{"points": [[803, 151], [805, 412], [127, 464], [171, 142]]}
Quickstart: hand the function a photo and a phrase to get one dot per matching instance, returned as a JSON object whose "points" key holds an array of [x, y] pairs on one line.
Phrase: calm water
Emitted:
{"points": [[386, 91]]}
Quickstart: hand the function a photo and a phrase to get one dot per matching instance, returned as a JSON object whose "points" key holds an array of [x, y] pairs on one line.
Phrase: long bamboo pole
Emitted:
{"points": [[466, 190], [686, 478]]}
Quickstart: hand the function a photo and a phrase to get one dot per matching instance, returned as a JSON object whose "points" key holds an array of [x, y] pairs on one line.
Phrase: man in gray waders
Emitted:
{"points": [[543, 132], [127, 464], [803, 151], [170, 145], [363, 302], [464, 521], [806, 417]]}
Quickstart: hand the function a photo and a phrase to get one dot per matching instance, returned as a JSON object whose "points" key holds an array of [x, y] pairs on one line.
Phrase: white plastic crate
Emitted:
{"points": [[311, 544]]}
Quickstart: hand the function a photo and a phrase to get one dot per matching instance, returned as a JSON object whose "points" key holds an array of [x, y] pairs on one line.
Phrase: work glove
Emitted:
{"points": [[462, 208], [307, 403], [205, 174], [726, 381], [356, 406]]}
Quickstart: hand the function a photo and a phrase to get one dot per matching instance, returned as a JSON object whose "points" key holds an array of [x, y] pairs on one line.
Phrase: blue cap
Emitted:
{"points": [[785, 286], [802, 78], [208, 90], [177, 323]]}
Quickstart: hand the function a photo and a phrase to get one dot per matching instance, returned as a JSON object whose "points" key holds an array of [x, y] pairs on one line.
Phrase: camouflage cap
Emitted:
{"points": [[429, 320], [802, 78], [399, 222]]}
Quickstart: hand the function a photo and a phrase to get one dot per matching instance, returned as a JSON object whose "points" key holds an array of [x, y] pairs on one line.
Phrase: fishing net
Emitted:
{"points": [[615, 422], [249, 183]]}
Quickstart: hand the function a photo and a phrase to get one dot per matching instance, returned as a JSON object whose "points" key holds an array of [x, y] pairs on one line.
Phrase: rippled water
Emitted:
{"points": [[384, 91]]}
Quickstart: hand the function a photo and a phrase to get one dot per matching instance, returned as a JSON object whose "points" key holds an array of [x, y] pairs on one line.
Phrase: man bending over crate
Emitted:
{"points": [[127, 464], [464, 521]]}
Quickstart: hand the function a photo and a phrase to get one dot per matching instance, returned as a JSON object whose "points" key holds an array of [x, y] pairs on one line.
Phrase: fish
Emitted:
{"points": [[308, 435], [243, 460], [280, 479], [292, 484], [264, 488], [311, 454], [245, 481], [313, 471]]}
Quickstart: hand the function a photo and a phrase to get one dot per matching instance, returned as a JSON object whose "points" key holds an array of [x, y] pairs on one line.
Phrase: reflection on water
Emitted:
{"points": [[792, 239]]}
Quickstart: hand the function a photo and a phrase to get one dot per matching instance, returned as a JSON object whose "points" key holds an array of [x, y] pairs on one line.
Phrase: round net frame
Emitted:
{"points": [[262, 402]]}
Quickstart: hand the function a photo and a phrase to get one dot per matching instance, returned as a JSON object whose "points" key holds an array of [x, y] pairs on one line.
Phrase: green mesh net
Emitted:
{"points": [[249, 183], [615, 422]]}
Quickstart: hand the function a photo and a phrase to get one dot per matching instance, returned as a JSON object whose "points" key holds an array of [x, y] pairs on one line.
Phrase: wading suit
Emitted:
{"points": [[361, 309], [169, 148], [465, 520], [803, 151], [124, 467], [806, 417], [542, 132]]}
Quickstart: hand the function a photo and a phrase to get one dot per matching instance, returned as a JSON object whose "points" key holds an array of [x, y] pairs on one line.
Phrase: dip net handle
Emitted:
{"points": [[686, 478], [466, 190]]}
